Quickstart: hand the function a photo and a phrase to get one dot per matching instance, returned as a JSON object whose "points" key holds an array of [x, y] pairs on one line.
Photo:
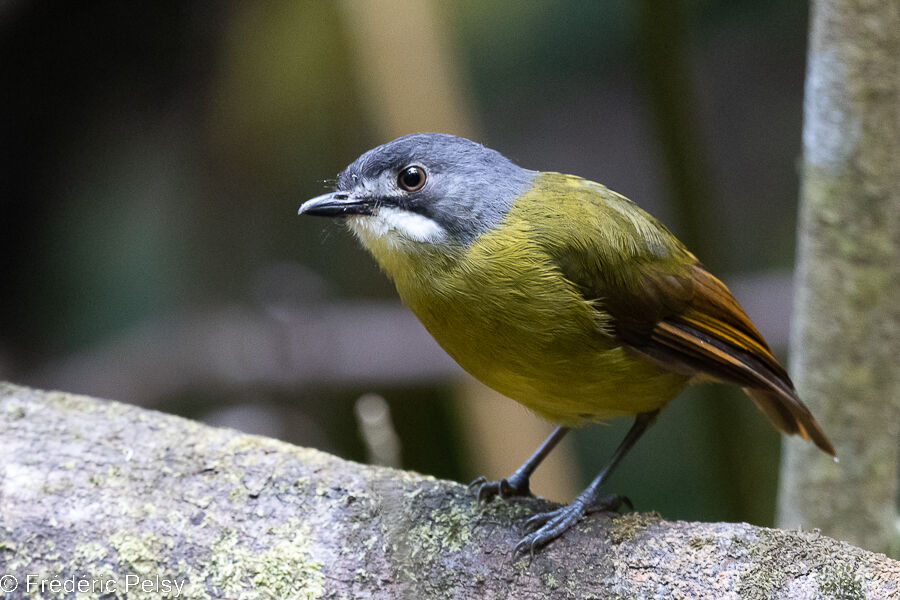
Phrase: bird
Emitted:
{"points": [[558, 293]]}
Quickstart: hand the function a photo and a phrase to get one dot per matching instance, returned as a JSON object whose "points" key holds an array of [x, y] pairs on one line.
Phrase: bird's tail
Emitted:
{"points": [[788, 414]]}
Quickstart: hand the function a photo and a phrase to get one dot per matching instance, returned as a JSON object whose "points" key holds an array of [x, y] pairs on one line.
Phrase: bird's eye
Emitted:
{"points": [[411, 178]]}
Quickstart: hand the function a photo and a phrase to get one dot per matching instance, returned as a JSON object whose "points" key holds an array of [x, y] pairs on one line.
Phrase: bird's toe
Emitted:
{"points": [[543, 528], [484, 490]]}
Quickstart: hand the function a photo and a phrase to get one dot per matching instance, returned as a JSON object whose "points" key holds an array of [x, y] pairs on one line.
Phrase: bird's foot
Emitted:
{"points": [[505, 488], [543, 528]]}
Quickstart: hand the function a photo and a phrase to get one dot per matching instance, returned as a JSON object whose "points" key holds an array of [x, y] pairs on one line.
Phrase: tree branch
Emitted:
{"points": [[97, 493]]}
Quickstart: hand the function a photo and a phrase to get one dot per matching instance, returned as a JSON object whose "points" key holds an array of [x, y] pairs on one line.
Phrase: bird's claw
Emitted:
{"points": [[539, 520], [504, 488], [477, 483], [543, 528]]}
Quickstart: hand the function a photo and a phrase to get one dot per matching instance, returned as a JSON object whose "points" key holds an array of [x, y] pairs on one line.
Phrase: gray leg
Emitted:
{"points": [[546, 527], [517, 483]]}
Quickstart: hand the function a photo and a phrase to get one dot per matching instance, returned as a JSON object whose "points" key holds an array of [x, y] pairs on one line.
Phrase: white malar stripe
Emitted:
{"points": [[394, 225]]}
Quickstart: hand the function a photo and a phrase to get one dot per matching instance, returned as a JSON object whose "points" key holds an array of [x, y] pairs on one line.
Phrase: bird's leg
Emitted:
{"points": [[546, 527], [517, 483]]}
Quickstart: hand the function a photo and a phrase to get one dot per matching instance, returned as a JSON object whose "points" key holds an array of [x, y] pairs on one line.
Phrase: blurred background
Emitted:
{"points": [[154, 156]]}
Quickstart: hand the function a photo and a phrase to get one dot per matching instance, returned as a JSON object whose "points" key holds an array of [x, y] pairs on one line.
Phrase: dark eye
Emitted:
{"points": [[411, 178]]}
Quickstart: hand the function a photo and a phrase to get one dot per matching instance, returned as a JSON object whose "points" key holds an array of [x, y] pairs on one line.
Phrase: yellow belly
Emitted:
{"points": [[528, 334], [564, 375]]}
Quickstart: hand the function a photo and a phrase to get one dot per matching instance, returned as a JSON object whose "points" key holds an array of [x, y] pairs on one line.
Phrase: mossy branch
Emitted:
{"points": [[137, 504]]}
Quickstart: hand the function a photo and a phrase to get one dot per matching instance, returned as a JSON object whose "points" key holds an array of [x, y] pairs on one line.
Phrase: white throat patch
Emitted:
{"points": [[396, 226]]}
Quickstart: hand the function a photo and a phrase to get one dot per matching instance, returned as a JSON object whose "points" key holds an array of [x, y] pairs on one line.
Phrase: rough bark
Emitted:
{"points": [[112, 495], [846, 337]]}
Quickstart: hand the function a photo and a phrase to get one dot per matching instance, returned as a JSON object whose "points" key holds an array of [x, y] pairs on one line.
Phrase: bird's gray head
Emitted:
{"points": [[426, 187]]}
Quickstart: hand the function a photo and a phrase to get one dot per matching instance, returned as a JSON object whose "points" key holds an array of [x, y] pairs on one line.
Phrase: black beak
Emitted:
{"points": [[336, 204]]}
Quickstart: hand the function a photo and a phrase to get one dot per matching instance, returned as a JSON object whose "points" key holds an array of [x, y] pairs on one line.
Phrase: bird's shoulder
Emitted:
{"points": [[604, 243], [575, 215]]}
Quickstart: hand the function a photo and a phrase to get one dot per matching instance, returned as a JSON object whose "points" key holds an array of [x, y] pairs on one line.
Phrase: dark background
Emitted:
{"points": [[154, 156]]}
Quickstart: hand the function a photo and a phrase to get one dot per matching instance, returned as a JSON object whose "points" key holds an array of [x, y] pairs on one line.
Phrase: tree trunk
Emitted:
{"points": [[846, 337], [108, 498]]}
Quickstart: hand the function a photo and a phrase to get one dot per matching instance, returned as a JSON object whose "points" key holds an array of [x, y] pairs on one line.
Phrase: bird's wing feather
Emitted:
{"points": [[662, 303], [714, 335]]}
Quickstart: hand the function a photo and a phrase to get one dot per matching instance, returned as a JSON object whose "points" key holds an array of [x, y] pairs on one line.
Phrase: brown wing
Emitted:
{"points": [[721, 340], [711, 334], [691, 322]]}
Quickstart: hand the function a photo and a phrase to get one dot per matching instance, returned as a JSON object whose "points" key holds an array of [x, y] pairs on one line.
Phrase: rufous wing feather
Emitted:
{"points": [[714, 336]]}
